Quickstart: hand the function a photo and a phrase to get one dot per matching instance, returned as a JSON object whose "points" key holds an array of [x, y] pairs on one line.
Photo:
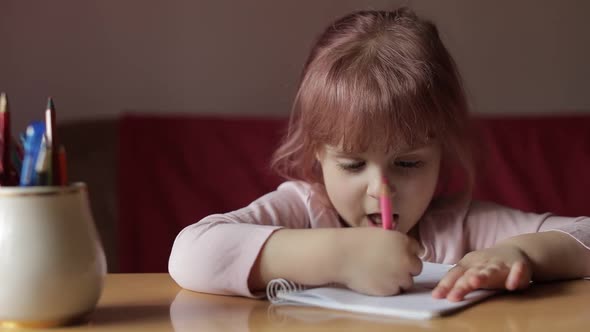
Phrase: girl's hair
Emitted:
{"points": [[376, 79]]}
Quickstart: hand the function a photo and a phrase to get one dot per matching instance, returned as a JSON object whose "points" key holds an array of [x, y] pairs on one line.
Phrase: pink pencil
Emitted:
{"points": [[386, 209]]}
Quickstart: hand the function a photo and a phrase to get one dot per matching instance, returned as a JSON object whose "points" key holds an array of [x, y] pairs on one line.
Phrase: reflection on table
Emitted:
{"points": [[153, 302]]}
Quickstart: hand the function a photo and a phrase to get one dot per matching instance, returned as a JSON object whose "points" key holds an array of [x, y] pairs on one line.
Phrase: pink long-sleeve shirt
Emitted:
{"points": [[216, 254]]}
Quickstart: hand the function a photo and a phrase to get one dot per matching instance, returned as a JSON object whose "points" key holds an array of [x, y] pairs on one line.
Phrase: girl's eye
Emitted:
{"points": [[409, 164], [352, 166]]}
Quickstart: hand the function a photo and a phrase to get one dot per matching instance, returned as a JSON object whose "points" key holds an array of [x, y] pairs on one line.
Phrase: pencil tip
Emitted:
{"points": [[3, 103], [50, 105]]}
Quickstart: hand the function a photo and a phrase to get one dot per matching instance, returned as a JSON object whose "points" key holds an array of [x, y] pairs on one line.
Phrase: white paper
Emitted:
{"points": [[416, 303]]}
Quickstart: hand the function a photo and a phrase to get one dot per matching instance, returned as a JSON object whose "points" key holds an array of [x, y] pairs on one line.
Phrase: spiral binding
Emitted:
{"points": [[281, 286]]}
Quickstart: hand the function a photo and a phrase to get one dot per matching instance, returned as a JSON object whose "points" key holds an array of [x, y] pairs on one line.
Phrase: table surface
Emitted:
{"points": [[153, 302]]}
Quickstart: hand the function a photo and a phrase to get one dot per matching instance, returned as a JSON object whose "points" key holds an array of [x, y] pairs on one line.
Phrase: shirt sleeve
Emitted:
{"points": [[487, 224], [216, 254]]}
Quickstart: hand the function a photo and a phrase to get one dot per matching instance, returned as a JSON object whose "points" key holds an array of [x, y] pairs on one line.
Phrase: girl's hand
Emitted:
{"points": [[378, 262], [502, 267]]}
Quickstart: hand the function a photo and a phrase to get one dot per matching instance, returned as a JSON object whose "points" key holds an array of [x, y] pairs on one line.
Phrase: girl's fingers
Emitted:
{"points": [[482, 275], [490, 270], [463, 286], [490, 277], [459, 281], [479, 280], [448, 282], [518, 277], [472, 279], [514, 276], [458, 293], [495, 276]]}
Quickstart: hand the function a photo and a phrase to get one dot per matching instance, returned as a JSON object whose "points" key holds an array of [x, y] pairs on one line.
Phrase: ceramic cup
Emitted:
{"points": [[52, 263]]}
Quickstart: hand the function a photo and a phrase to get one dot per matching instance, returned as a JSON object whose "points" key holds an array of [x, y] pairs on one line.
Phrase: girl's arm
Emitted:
{"points": [[369, 260], [216, 254], [513, 263], [287, 251], [239, 252], [511, 248], [552, 255]]}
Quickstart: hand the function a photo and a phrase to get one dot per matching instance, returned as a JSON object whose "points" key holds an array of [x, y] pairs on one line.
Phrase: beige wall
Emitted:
{"points": [[98, 58]]}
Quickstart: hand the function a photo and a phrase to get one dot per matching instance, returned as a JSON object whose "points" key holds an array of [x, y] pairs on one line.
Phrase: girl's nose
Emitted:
{"points": [[374, 188]]}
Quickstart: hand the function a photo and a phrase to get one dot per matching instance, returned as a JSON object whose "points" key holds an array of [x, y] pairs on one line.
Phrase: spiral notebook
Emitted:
{"points": [[416, 303]]}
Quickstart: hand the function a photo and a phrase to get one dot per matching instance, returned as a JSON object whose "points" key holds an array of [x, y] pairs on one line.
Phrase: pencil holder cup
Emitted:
{"points": [[52, 263]]}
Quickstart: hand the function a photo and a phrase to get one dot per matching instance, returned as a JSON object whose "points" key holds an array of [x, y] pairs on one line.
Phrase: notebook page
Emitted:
{"points": [[431, 274], [416, 303]]}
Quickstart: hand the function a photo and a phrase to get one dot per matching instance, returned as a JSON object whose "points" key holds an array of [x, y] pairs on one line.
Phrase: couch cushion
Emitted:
{"points": [[91, 157], [538, 164], [176, 169]]}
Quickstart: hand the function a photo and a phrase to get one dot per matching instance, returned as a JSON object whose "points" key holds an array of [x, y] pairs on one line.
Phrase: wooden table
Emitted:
{"points": [[153, 302]]}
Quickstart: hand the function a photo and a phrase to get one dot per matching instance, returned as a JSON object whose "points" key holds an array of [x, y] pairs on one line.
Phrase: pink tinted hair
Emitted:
{"points": [[377, 79]]}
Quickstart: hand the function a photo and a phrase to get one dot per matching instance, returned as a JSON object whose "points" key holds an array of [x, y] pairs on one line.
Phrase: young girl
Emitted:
{"points": [[380, 98]]}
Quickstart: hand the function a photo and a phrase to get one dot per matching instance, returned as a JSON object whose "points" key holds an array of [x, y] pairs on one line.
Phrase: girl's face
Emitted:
{"points": [[353, 183]]}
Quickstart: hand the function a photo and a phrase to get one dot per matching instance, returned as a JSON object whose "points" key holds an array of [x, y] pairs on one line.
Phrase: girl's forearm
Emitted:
{"points": [[553, 255], [306, 256]]}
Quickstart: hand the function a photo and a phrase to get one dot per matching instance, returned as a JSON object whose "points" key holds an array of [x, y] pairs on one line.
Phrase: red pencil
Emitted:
{"points": [[5, 168], [63, 169]]}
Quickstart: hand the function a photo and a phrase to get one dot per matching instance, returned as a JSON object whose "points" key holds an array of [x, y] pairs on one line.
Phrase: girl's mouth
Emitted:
{"points": [[375, 219]]}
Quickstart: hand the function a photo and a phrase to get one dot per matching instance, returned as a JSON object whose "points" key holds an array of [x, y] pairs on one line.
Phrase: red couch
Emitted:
{"points": [[176, 169]]}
